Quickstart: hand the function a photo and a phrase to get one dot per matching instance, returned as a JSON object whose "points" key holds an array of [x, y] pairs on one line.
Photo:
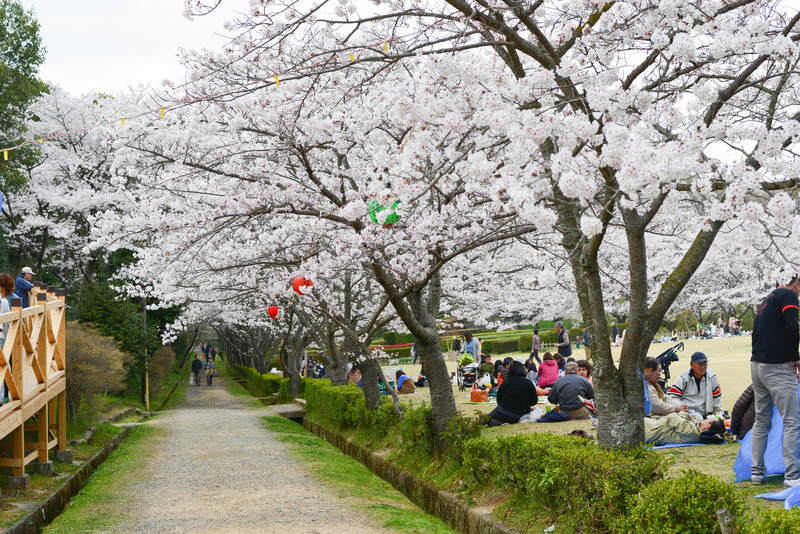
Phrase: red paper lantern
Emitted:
{"points": [[273, 312], [302, 285]]}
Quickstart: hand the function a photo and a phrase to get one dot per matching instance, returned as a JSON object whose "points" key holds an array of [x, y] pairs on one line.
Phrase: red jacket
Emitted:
{"points": [[548, 373]]}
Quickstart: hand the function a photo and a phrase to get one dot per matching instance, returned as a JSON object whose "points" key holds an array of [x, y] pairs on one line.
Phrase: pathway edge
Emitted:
{"points": [[432, 500], [45, 512]]}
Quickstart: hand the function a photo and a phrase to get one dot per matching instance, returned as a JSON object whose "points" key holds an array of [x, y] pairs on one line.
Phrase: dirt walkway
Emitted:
{"points": [[218, 470]]}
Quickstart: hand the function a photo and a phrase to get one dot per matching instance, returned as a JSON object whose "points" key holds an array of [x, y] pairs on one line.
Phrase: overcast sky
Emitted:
{"points": [[109, 45]]}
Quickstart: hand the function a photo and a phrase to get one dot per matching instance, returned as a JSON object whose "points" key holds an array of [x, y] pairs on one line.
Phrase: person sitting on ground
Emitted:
{"points": [[678, 428], [514, 397], [660, 402], [486, 366], [502, 373], [422, 379], [548, 371], [532, 375], [405, 384], [561, 362], [354, 376], [585, 369], [743, 414], [567, 390], [698, 388]]}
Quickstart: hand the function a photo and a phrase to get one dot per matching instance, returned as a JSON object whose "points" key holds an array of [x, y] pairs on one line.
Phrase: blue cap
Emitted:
{"points": [[698, 357]]}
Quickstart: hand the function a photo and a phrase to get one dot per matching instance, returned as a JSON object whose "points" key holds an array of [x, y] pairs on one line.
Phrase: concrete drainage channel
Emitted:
{"points": [[45, 512], [42, 514], [432, 500]]}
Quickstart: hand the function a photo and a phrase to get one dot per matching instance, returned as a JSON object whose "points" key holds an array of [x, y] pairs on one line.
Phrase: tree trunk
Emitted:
{"points": [[443, 404], [370, 369]]}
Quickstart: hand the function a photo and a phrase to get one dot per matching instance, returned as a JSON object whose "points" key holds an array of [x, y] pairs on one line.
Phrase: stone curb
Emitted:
{"points": [[87, 436], [441, 504], [48, 510]]}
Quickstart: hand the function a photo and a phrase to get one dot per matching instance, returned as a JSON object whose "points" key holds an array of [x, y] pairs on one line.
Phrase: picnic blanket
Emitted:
{"points": [[672, 445]]}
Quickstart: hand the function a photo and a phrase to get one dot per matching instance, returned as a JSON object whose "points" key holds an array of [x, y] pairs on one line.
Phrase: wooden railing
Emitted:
{"points": [[32, 365]]}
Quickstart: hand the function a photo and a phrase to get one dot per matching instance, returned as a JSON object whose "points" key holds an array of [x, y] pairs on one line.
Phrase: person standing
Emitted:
{"points": [[6, 293], [197, 366], [22, 285], [587, 350], [210, 368], [536, 342], [563, 346], [614, 332], [773, 367]]}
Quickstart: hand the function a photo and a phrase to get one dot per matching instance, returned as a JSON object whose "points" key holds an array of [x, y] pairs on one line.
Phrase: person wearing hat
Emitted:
{"points": [[22, 285], [698, 388]]}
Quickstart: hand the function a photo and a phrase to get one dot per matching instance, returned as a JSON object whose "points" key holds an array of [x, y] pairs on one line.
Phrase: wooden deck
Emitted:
{"points": [[32, 364]]}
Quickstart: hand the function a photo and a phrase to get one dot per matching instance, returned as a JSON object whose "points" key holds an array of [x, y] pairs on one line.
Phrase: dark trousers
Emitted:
{"points": [[535, 355], [208, 379], [197, 378]]}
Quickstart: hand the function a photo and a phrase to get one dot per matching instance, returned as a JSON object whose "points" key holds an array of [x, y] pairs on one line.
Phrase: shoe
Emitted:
{"points": [[791, 483], [757, 480], [588, 403]]}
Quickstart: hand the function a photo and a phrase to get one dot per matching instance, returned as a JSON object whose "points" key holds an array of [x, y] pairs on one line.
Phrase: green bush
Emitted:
{"points": [[555, 471], [686, 504], [487, 346], [502, 346], [776, 521], [525, 342], [460, 430], [404, 352], [550, 337], [416, 429], [265, 385], [389, 338], [574, 333]]}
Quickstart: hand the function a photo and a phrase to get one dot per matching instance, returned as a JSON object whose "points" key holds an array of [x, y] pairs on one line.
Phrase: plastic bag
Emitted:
{"points": [[191, 379], [533, 416], [485, 381]]}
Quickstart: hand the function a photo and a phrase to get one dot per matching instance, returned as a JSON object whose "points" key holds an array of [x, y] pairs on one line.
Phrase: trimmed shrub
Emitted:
{"points": [[460, 430], [525, 342], [776, 521], [502, 346], [488, 346], [686, 504], [416, 429], [265, 385], [553, 471]]}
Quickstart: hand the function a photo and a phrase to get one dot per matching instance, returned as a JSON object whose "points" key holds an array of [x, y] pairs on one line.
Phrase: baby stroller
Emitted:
{"points": [[467, 376], [665, 359]]}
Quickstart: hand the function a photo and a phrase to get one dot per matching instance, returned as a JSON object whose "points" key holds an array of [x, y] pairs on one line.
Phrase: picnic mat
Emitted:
{"points": [[789, 496]]}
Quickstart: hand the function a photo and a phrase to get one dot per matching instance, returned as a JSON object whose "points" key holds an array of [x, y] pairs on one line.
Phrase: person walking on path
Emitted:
{"points": [[197, 366], [773, 367], [536, 342], [210, 370]]}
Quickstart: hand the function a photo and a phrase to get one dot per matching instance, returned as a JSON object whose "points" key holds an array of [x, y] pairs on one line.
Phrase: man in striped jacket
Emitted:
{"points": [[698, 388]]}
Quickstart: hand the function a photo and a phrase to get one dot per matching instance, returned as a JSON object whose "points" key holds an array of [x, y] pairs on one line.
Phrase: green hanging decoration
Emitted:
{"points": [[386, 219]]}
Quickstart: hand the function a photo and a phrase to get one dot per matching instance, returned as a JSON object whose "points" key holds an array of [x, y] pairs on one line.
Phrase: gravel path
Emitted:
{"points": [[218, 470]]}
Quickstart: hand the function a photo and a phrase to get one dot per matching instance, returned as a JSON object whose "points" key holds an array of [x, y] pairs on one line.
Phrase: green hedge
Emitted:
{"points": [[503, 346], [265, 385], [524, 343], [588, 487], [487, 346]]}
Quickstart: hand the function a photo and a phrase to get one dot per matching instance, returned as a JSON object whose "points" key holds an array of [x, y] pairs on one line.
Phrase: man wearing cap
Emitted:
{"points": [[773, 368], [568, 391], [23, 284], [698, 388]]}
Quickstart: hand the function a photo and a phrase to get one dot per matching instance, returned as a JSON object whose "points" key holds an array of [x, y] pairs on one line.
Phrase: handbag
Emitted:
{"points": [[477, 395], [191, 379]]}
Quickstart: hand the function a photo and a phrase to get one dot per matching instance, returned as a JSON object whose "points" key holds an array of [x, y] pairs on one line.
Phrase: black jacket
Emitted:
{"points": [[197, 365]]}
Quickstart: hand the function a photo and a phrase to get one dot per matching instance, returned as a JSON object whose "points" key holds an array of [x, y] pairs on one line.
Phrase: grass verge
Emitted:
{"points": [[99, 506], [352, 480]]}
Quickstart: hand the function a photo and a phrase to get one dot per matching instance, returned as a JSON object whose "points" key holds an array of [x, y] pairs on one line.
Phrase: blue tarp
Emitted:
{"points": [[773, 456], [789, 496], [672, 445]]}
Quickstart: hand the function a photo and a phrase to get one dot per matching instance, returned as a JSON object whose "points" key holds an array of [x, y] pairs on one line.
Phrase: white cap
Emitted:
{"points": [[27, 270]]}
